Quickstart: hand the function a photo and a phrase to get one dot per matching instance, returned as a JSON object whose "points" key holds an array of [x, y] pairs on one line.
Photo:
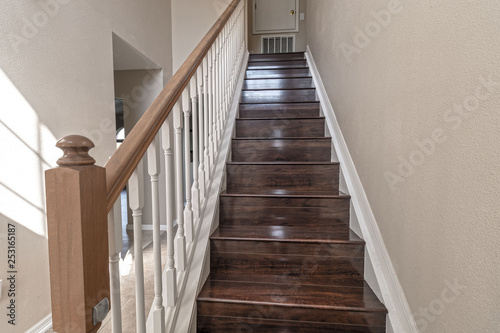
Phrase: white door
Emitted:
{"points": [[271, 16]]}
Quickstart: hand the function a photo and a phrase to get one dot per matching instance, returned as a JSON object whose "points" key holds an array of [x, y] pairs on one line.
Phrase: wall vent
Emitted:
{"points": [[278, 44]]}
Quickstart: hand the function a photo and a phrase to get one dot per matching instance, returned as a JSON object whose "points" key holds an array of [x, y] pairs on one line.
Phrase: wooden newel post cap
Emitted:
{"points": [[76, 151]]}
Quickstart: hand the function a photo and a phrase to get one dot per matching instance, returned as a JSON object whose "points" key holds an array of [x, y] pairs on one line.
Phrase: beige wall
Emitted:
{"points": [[56, 79], [136, 102], [191, 20], [421, 78], [254, 41]]}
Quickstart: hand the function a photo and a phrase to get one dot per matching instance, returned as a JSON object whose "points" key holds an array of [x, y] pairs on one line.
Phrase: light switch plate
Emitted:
{"points": [[302, 16], [0, 288]]}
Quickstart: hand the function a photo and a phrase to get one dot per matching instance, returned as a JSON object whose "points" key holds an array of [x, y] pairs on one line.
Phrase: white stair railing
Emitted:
{"points": [[187, 122]]}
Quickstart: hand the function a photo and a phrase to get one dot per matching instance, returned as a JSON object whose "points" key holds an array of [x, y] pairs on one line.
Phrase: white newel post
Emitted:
{"points": [[153, 156], [136, 202], [115, 243], [180, 240], [171, 272], [201, 133], [194, 114], [188, 209]]}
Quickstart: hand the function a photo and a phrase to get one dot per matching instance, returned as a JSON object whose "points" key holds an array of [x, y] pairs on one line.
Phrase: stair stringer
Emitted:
{"points": [[392, 294]]}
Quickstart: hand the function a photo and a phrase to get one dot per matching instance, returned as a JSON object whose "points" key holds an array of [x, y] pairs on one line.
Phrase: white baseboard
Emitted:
{"points": [[42, 326], [394, 299]]}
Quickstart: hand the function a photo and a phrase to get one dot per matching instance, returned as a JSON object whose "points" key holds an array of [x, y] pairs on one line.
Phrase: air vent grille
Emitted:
{"points": [[278, 44]]}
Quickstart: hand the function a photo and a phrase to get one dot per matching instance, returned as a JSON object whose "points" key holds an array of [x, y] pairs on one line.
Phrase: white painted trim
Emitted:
{"points": [[297, 22], [393, 296], [182, 317], [42, 326]]}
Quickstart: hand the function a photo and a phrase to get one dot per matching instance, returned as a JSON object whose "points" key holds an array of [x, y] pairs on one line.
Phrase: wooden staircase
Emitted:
{"points": [[283, 258]]}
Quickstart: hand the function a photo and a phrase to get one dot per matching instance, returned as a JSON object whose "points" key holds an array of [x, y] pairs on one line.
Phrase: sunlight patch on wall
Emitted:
{"points": [[26, 150]]}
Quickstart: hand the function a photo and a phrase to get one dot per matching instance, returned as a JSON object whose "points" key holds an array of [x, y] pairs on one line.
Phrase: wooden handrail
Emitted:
{"points": [[126, 158]]}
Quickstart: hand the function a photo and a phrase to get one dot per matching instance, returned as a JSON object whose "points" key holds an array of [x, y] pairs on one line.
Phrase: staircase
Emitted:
{"points": [[283, 258]]}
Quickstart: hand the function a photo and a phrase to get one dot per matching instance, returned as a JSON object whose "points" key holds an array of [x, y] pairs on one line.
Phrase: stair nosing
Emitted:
{"points": [[275, 68], [273, 89], [246, 103], [284, 118], [283, 163], [290, 240], [275, 60], [309, 196], [286, 255], [284, 138], [278, 78], [281, 240]]}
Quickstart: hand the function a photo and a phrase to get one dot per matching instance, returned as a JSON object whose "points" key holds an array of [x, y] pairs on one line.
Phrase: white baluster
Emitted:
{"points": [[206, 118], [115, 244], [180, 240], [171, 273], [196, 184], [225, 63], [201, 131], [154, 171], [188, 208], [221, 86], [211, 89], [136, 202], [218, 82]]}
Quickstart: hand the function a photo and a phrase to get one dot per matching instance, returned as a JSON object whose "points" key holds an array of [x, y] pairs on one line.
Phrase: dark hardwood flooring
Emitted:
{"points": [[283, 258]]}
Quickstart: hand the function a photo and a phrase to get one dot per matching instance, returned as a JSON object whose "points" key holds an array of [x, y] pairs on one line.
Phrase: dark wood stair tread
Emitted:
{"points": [[341, 298], [277, 73], [279, 106], [276, 57], [224, 324], [273, 84], [281, 127], [281, 149], [288, 234], [287, 269], [285, 194], [277, 110], [301, 63], [278, 96]]}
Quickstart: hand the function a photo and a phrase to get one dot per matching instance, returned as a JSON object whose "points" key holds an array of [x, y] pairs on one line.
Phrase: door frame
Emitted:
{"points": [[297, 21]]}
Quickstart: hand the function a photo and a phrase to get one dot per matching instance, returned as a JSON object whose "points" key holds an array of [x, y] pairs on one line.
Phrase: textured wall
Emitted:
{"points": [[416, 89], [56, 78], [191, 20]]}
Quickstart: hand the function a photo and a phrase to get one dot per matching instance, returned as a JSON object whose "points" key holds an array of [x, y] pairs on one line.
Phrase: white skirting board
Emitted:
{"points": [[42, 326], [400, 316]]}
